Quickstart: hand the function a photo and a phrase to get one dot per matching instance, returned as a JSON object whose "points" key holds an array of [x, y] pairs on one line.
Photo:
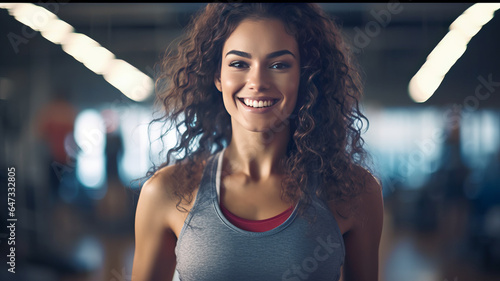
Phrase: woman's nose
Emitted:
{"points": [[258, 79]]}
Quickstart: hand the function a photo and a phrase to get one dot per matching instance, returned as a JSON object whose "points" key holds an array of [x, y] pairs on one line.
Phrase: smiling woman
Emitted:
{"points": [[272, 184], [259, 75]]}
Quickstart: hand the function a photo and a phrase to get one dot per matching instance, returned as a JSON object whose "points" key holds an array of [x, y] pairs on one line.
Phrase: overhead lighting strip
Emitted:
{"points": [[126, 78], [446, 53]]}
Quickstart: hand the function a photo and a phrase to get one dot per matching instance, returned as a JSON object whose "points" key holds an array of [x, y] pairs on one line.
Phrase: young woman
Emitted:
{"points": [[270, 185]]}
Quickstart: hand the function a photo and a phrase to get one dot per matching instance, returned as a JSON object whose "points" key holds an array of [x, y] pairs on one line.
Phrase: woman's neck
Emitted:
{"points": [[257, 154]]}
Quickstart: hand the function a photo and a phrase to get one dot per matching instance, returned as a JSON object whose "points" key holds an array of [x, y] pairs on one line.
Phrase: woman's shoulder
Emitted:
{"points": [[159, 189], [366, 205], [166, 184], [369, 185]]}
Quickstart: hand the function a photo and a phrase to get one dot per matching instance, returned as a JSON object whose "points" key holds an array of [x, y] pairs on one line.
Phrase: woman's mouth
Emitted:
{"points": [[258, 103]]}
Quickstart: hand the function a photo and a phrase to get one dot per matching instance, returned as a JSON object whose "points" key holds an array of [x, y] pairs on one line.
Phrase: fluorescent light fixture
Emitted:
{"points": [[77, 46], [56, 31], [88, 52], [130, 81], [126, 78], [98, 59], [446, 53], [7, 6], [31, 15]]}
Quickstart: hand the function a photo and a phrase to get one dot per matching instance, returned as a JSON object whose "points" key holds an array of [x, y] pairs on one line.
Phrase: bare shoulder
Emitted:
{"points": [[157, 222], [160, 183], [156, 199], [362, 227], [366, 206], [371, 189], [161, 187], [158, 187], [160, 203], [370, 201]]}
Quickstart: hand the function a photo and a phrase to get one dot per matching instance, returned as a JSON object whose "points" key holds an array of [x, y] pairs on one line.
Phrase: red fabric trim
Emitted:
{"points": [[256, 225]]}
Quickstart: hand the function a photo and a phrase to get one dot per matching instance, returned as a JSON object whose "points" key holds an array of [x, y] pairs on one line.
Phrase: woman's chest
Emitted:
{"points": [[211, 249]]}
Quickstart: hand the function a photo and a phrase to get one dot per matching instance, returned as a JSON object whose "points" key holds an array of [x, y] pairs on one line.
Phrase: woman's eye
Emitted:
{"points": [[238, 64], [280, 65]]}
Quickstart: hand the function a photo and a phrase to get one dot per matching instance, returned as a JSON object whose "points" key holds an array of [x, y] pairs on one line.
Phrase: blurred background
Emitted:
{"points": [[74, 114]]}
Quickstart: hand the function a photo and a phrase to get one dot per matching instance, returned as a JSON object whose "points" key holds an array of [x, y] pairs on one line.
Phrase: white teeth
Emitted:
{"points": [[257, 104]]}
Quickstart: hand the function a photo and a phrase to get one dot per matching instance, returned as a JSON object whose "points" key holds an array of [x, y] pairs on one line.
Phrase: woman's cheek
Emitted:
{"points": [[232, 81]]}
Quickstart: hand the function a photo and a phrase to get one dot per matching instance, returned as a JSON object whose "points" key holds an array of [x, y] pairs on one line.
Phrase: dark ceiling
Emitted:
{"points": [[139, 33]]}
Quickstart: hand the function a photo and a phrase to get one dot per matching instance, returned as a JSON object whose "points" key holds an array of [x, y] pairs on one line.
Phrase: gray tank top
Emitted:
{"points": [[209, 247]]}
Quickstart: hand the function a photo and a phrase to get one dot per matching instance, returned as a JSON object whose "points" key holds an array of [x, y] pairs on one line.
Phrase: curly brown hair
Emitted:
{"points": [[325, 126]]}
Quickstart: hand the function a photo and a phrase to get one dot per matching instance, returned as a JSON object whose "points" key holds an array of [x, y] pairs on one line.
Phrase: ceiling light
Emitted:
{"points": [[446, 53]]}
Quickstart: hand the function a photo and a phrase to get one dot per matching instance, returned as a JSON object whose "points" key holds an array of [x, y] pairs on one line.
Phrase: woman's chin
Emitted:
{"points": [[268, 132]]}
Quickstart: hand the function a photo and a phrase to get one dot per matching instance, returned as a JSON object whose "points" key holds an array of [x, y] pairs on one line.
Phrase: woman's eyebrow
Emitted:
{"points": [[279, 53], [269, 56], [239, 53]]}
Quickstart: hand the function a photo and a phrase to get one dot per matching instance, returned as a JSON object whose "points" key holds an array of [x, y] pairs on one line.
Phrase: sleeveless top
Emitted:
{"points": [[254, 225], [209, 247]]}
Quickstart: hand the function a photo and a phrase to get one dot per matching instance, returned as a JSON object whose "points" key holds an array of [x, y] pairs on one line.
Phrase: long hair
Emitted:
{"points": [[325, 127]]}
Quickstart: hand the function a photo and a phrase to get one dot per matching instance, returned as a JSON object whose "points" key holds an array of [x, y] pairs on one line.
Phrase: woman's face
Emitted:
{"points": [[260, 73]]}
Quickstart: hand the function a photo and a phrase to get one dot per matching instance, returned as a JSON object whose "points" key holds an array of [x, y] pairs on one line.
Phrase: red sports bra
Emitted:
{"points": [[256, 225]]}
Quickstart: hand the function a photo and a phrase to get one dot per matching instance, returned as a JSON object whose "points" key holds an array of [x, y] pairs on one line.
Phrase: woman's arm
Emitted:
{"points": [[154, 257], [363, 239]]}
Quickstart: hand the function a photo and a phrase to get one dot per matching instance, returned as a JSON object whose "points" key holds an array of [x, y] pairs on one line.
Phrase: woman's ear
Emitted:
{"points": [[217, 82]]}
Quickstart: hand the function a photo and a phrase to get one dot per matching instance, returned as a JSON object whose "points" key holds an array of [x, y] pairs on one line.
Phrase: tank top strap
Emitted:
{"points": [[208, 187], [205, 191]]}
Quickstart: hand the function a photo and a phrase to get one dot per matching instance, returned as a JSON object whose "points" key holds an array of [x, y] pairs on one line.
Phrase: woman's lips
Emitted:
{"points": [[258, 102], [258, 105]]}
